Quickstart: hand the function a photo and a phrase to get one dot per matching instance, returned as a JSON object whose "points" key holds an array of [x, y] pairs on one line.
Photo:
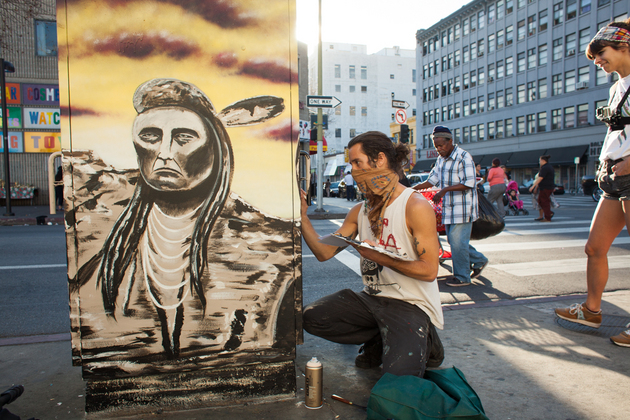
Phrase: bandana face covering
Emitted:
{"points": [[378, 186]]}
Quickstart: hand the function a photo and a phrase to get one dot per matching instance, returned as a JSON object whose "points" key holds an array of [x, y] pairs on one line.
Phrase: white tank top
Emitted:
{"points": [[385, 282]]}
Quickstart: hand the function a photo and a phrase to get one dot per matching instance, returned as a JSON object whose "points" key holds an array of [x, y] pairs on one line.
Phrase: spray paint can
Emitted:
{"points": [[313, 386]]}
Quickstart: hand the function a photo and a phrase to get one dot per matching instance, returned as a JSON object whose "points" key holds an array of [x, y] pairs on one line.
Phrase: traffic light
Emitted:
{"points": [[404, 133]]}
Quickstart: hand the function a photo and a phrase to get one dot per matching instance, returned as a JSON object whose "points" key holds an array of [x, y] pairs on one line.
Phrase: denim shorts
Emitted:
{"points": [[613, 187]]}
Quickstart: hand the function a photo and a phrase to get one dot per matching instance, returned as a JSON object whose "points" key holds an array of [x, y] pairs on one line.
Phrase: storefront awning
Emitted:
{"points": [[423, 165], [478, 159], [525, 159], [567, 155], [331, 168]]}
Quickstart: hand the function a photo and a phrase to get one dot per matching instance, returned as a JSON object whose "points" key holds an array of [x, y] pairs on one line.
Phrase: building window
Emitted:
{"points": [[520, 3], [450, 35], [531, 58], [509, 96], [582, 114], [509, 66], [413, 74], [520, 30], [569, 117], [500, 38], [449, 61], [570, 45], [450, 112], [351, 72], [509, 35], [338, 110], [491, 44], [509, 130], [457, 30], [490, 130], [584, 39], [491, 15], [542, 122], [337, 71], [481, 132], [500, 69], [558, 14], [531, 25], [466, 108], [520, 94], [569, 81], [556, 85], [364, 73], [473, 106], [456, 85], [557, 49], [473, 78], [542, 20], [499, 132], [473, 51], [500, 100], [473, 133], [531, 124], [444, 113], [353, 111], [481, 76], [364, 89], [391, 76], [520, 126], [457, 110], [338, 133], [482, 19], [601, 77], [337, 88], [465, 136], [571, 9], [520, 62], [491, 103], [480, 48], [509, 6], [585, 6], [413, 92], [352, 88], [466, 81], [583, 77], [466, 27], [457, 57], [364, 111], [556, 115], [542, 88], [46, 38], [531, 91], [465, 54], [353, 132], [542, 54], [481, 104]]}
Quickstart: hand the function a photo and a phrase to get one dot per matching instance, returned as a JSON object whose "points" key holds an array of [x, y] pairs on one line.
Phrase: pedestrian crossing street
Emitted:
{"points": [[523, 235]]}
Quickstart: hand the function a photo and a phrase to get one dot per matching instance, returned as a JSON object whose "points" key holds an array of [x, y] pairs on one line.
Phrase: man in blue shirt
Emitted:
{"points": [[454, 174]]}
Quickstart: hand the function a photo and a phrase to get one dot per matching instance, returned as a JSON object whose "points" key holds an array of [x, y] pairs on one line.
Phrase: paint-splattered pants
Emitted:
{"points": [[347, 317]]}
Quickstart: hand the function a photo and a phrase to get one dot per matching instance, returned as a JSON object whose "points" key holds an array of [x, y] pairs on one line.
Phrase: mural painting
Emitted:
{"points": [[183, 243]]}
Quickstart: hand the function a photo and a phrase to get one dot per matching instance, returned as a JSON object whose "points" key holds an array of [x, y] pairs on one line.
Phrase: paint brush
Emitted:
{"points": [[343, 400]]}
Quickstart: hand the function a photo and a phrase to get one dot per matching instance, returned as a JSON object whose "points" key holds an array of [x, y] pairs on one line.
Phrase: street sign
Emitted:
{"points": [[322, 101], [399, 104], [401, 116]]}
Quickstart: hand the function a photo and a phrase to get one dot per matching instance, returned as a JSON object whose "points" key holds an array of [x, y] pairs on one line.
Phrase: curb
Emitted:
{"points": [[18, 221]]}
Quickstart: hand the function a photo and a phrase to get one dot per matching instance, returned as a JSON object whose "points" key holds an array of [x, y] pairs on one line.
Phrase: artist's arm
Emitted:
{"points": [[324, 252], [422, 226]]}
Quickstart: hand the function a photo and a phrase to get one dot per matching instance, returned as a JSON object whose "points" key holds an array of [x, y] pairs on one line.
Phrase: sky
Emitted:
{"points": [[376, 23]]}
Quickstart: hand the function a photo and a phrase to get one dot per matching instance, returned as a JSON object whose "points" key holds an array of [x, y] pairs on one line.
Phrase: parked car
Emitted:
{"points": [[337, 190], [417, 178], [524, 189]]}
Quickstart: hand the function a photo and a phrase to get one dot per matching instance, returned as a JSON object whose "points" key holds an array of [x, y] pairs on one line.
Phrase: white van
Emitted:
{"points": [[416, 178]]}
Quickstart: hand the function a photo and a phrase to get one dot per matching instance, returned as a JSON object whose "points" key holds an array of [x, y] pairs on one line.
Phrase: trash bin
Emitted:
{"points": [[588, 184]]}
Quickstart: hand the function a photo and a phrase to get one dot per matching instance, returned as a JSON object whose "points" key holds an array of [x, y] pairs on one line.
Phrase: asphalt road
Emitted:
{"points": [[527, 259]]}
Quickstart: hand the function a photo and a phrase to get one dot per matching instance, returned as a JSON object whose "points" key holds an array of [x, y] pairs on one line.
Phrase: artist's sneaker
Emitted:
{"points": [[622, 339], [370, 354], [579, 313], [455, 282], [476, 271]]}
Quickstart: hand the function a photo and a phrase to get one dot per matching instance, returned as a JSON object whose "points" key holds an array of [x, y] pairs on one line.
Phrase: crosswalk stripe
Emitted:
{"points": [[522, 246], [349, 260], [573, 265]]}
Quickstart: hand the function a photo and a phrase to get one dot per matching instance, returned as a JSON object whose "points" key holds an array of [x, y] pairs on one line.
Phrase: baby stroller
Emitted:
{"points": [[515, 204]]}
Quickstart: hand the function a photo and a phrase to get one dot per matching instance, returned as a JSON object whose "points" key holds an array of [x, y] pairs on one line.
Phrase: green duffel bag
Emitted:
{"points": [[441, 394]]}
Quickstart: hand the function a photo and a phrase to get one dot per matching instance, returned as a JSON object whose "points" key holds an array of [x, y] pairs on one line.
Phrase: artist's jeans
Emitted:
{"points": [[347, 317], [465, 256], [496, 196]]}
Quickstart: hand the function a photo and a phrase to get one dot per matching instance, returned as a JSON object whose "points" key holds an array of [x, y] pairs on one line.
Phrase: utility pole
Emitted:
{"points": [[5, 65], [320, 123]]}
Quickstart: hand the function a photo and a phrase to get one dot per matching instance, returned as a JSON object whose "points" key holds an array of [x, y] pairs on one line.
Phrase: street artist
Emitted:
{"points": [[396, 313]]}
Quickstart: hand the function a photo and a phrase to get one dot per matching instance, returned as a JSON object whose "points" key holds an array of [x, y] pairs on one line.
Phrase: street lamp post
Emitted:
{"points": [[6, 67]]}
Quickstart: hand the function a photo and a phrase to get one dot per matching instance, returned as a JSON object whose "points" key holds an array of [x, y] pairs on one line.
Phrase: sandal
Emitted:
{"points": [[538, 219]]}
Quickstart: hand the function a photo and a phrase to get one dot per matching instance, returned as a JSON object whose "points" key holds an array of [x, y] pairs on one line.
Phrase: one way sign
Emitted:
{"points": [[322, 101]]}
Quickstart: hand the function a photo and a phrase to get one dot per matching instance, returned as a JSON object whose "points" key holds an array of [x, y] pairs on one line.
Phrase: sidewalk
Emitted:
{"points": [[515, 354], [27, 215]]}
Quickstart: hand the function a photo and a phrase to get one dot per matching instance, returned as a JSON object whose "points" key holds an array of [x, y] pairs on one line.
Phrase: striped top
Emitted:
{"points": [[458, 168]]}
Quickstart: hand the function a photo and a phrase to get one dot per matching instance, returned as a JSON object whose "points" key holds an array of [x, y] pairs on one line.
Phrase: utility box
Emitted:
{"points": [[180, 133]]}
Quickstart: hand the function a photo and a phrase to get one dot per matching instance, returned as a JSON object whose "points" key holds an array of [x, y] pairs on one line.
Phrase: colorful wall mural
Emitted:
{"points": [[179, 130]]}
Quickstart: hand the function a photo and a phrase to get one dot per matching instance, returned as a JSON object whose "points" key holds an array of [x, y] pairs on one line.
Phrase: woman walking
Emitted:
{"points": [[610, 50], [496, 179]]}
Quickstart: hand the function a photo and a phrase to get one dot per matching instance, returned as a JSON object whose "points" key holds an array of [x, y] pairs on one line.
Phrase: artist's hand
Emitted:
{"points": [[371, 254], [622, 168], [303, 203]]}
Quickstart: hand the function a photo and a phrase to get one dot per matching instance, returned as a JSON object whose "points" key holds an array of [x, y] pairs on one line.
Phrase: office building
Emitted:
{"points": [[511, 80]]}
